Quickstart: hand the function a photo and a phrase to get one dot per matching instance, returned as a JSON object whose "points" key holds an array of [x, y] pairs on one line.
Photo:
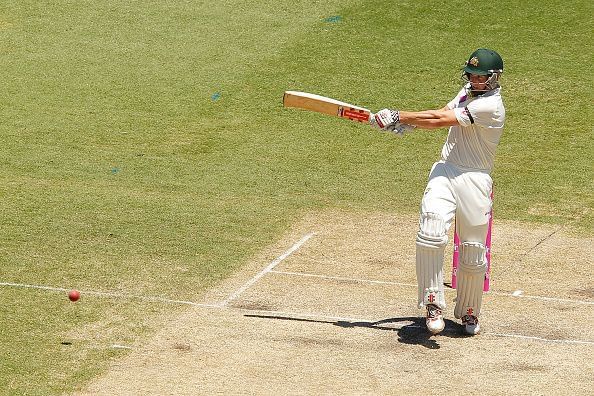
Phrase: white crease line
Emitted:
{"points": [[33, 286], [269, 268], [579, 342], [356, 280], [116, 346], [289, 315], [109, 294]]}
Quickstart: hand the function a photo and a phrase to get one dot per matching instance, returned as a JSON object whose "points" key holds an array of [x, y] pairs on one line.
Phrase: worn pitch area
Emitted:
{"points": [[338, 315]]}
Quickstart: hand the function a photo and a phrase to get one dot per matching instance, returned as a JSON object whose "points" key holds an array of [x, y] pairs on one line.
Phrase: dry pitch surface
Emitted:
{"points": [[330, 308]]}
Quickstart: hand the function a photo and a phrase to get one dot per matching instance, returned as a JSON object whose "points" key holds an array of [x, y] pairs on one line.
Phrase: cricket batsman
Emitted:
{"points": [[459, 187]]}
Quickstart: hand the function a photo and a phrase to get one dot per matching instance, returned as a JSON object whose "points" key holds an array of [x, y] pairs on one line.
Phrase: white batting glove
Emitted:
{"points": [[387, 118]]}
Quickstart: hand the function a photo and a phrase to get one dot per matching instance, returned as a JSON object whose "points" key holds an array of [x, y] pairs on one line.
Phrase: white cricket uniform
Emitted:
{"points": [[460, 184], [460, 187]]}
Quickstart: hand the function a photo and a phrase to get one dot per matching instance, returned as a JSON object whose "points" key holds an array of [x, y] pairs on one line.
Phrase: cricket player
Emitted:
{"points": [[459, 187]]}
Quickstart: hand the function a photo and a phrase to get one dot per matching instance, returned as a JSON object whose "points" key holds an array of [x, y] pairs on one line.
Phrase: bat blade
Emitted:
{"points": [[324, 105]]}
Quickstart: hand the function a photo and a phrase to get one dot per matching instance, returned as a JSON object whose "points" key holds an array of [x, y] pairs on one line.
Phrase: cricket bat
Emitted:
{"points": [[322, 104]]}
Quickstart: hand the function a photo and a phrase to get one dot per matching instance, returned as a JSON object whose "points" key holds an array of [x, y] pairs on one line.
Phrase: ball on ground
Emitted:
{"points": [[73, 295]]}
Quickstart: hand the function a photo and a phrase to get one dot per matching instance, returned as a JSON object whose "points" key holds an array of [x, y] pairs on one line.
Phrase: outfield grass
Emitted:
{"points": [[145, 149]]}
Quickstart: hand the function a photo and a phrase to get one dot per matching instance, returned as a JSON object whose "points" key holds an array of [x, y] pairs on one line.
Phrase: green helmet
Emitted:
{"points": [[483, 62]]}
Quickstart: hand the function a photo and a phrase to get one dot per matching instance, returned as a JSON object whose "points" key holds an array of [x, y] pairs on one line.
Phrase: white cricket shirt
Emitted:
{"points": [[472, 144]]}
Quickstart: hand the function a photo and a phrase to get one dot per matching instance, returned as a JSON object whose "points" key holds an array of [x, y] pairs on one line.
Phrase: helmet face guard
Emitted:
{"points": [[483, 62], [491, 83]]}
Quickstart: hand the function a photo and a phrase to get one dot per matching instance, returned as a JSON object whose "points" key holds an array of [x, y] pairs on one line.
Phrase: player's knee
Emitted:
{"points": [[473, 257], [432, 231]]}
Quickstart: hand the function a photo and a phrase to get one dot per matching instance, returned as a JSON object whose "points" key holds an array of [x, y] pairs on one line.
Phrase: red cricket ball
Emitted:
{"points": [[73, 295]]}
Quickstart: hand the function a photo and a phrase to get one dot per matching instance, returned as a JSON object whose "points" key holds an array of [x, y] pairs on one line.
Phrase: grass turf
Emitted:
{"points": [[145, 149]]}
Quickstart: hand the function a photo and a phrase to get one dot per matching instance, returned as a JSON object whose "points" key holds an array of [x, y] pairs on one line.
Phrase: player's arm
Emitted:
{"points": [[429, 119]]}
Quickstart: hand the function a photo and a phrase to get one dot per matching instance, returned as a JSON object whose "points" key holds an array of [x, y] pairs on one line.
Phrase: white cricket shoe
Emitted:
{"points": [[471, 324], [434, 320]]}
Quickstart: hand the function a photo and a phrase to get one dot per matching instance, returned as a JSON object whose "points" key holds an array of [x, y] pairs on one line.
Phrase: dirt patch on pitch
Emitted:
{"points": [[338, 316]]}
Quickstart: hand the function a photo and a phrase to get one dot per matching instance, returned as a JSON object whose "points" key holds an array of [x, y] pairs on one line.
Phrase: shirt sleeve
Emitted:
{"points": [[484, 112], [463, 116], [456, 101]]}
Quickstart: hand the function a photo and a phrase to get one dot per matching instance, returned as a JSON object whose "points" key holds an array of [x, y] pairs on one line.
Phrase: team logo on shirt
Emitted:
{"points": [[474, 61]]}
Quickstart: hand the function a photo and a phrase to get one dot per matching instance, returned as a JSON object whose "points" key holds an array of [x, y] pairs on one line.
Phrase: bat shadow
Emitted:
{"points": [[410, 330]]}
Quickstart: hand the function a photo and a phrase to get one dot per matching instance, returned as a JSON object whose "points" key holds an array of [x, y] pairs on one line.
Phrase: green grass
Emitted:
{"points": [[145, 149]]}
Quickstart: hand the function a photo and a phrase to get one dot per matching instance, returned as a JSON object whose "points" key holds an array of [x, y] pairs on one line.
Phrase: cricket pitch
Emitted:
{"points": [[337, 315]]}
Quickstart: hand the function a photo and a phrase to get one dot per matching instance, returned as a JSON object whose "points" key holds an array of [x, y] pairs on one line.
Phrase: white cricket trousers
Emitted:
{"points": [[464, 194]]}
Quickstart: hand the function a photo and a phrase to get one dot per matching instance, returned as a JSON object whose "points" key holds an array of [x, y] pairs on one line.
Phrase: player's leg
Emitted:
{"points": [[471, 275], [437, 211], [473, 191]]}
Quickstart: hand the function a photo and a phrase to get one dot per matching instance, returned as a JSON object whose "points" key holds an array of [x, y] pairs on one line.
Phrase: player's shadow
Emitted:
{"points": [[414, 333]]}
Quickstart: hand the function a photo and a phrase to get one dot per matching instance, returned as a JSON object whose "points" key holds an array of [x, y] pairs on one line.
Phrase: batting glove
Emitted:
{"points": [[387, 118]]}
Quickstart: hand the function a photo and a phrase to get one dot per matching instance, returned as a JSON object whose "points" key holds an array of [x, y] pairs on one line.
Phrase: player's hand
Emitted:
{"points": [[387, 118]]}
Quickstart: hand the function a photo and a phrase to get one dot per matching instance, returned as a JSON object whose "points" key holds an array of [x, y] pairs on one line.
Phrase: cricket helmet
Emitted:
{"points": [[484, 62]]}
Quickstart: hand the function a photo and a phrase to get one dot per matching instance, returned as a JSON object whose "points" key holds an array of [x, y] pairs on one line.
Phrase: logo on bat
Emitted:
{"points": [[353, 114]]}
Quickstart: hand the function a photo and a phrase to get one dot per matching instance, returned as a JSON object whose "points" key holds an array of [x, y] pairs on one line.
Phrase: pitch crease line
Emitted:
{"points": [[269, 268], [109, 294], [22, 285], [579, 342], [283, 313], [378, 282]]}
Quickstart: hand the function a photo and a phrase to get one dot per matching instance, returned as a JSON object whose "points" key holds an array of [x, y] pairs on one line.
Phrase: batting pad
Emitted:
{"points": [[471, 275], [430, 276], [431, 241]]}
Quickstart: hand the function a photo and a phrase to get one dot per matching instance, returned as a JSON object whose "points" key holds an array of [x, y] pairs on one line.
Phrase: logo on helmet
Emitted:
{"points": [[474, 61]]}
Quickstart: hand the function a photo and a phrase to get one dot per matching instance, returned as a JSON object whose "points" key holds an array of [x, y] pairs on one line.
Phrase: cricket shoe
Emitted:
{"points": [[471, 324], [434, 320]]}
